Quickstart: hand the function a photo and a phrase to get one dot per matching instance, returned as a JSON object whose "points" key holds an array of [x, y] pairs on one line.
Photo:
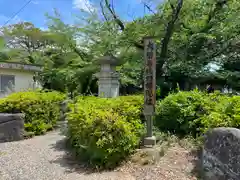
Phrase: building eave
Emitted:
{"points": [[21, 66]]}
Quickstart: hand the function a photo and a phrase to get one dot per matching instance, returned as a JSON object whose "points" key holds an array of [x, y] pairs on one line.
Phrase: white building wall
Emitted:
{"points": [[23, 80]]}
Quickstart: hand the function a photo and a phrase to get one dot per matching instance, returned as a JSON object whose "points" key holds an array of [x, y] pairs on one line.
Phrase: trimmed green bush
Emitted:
{"points": [[130, 107], [176, 112], [226, 113], [41, 109], [105, 131], [194, 112]]}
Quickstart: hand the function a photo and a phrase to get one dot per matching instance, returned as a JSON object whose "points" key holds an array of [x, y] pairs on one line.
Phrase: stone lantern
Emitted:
{"points": [[108, 78]]}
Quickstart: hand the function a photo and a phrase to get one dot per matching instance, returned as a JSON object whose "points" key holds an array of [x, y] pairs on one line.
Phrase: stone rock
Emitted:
{"points": [[11, 127], [63, 123], [64, 109], [221, 154], [108, 78]]}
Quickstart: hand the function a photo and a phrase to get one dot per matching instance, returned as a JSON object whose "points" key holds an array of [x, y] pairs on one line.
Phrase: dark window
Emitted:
{"points": [[7, 82]]}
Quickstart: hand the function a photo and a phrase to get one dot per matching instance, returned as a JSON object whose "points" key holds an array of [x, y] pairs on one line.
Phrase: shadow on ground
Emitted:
{"points": [[70, 163], [196, 171], [68, 160]]}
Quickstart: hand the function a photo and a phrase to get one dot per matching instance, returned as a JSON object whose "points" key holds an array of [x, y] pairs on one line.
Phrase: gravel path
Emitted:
{"points": [[44, 158]]}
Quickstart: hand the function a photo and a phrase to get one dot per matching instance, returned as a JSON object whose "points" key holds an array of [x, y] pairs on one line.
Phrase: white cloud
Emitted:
{"points": [[143, 1], [35, 2], [44, 28], [85, 5]]}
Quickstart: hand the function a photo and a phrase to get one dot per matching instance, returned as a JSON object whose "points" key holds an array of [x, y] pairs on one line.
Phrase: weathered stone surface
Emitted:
{"points": [[11, 127], [149, 141], [108, 78], [63, 123], [64, 109], [221, 154]]}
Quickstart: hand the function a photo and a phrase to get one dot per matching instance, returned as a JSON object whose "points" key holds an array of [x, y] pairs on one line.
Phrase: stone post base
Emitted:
{"points": [[149, 141]]}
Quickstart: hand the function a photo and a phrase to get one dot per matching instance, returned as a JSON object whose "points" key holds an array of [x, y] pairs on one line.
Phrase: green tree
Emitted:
{"points": [[25, 41], [190, 36]]}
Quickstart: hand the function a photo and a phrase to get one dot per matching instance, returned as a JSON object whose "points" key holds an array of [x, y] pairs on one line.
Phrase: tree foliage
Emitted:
{"points": [[192, 36]]}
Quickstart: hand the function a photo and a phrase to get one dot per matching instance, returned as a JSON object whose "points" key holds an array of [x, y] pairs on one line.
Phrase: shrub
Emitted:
{"points": [[216, 114], [41, 109], [177, 111], [192, 112], [128, 106], [105, 131]]}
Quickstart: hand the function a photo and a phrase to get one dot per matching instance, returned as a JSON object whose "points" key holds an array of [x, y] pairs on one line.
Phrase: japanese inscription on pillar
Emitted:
{"points": [[149, 76]]}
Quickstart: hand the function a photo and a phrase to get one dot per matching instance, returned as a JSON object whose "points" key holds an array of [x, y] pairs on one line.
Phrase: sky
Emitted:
{"points": [[35, 11]]}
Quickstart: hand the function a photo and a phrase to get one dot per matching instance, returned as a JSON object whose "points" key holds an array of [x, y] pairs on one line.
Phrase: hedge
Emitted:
{"points": [[105, 131], [194, 112], [41, 109]]}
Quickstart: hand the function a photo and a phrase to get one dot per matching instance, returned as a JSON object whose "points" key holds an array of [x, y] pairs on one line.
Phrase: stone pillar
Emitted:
{"points": [[149, 88], [108, 78], [63, 123]]}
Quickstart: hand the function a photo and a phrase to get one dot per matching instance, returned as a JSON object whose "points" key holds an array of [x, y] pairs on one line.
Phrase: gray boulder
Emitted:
{"points": [[11, 127], [221, 154]]}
